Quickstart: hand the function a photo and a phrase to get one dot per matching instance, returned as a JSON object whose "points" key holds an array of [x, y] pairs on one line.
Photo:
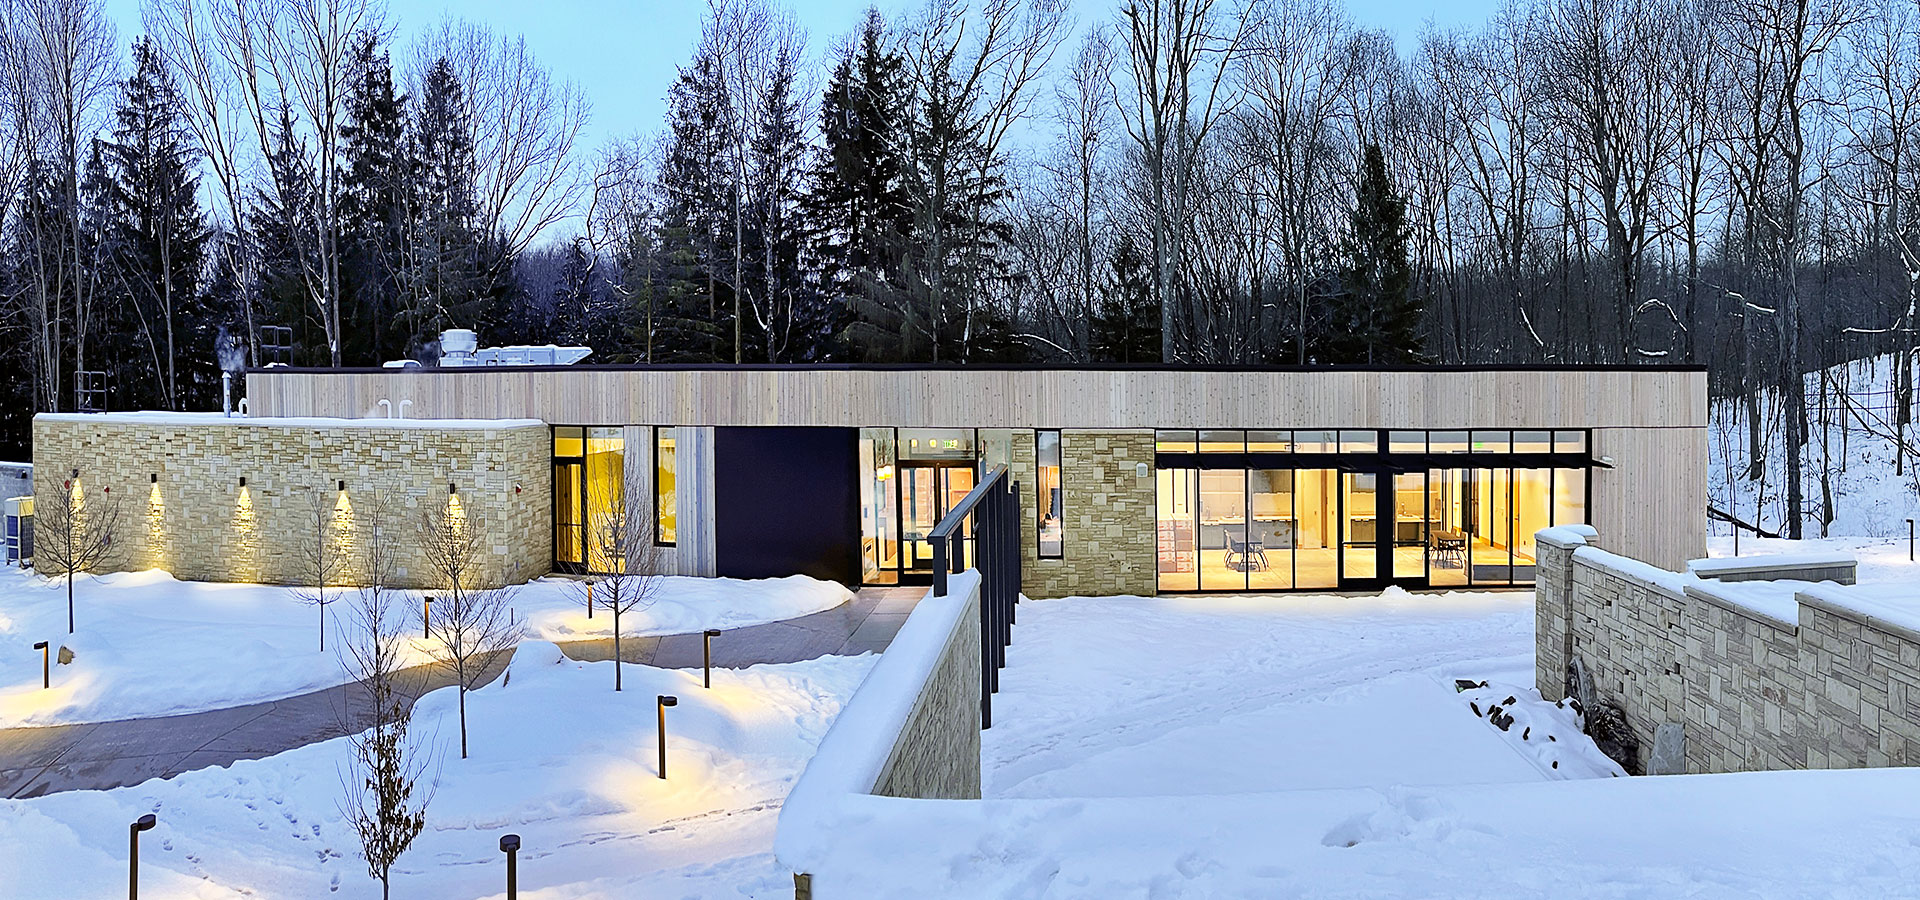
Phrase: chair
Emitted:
{"points": [[1245, 556]]}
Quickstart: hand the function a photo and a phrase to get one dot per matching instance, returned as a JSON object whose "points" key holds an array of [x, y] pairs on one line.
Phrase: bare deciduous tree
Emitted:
{"points": [[468, 621], [623, 558], [73, 532], [323, 551], [384, 799]]}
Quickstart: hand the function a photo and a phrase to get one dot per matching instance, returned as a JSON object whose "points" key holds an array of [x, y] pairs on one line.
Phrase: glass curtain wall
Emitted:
{"points": [[879, 516], [1392, 509], [569, 498], [666, 492], [604, 478]]}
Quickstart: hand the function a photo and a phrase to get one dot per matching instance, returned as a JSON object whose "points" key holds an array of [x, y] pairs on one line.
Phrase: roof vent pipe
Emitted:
{"points": [[226, 394], [457, 346]]}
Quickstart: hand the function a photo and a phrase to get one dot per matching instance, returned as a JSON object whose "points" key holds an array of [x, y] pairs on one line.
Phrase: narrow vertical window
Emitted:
{"points": [[1047, 459], [666, 503]]}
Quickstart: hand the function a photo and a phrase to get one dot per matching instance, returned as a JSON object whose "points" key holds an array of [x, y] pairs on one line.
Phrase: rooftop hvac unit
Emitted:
{"points": [[19, 530]]}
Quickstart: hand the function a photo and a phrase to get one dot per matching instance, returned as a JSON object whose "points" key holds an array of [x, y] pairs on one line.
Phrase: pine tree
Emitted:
{"points": [[1374, 317], [148, 218], [859, 207], [376, 211], [785, 324], [281, 222], [695, 321], [1125, 324], [458, 272]]}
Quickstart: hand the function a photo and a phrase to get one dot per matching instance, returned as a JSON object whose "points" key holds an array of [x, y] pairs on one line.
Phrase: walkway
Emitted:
{"points": [[99, 756]]}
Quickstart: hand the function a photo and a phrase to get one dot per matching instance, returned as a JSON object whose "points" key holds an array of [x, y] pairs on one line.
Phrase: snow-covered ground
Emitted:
{"points": [[149, 645], [1318, 747], [1882, 559], [1125, 696], [1868, 497], [557, 758]]}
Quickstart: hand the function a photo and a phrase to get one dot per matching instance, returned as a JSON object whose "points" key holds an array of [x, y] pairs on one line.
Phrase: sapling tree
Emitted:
{"points": [[322, 552], [624, 559], [384, 799], [73, 531], [468, 623]]}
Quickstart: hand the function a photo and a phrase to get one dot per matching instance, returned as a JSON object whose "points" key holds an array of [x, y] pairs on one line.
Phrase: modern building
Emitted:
{"points": [[1135, 480]]}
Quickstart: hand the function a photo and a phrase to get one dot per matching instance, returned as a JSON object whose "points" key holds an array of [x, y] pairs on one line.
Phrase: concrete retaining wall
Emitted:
{"points": [[1820, 682], [183, 509]]}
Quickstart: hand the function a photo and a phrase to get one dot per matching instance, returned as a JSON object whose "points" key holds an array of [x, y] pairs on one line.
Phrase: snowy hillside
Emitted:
{"points": [[1850, 415]]}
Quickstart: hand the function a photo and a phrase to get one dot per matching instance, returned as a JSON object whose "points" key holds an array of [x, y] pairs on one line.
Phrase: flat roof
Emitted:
{"points": [[1175, 368]]}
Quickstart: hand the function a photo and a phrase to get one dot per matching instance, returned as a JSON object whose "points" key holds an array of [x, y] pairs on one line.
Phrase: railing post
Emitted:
{"points": [[939, 566]]}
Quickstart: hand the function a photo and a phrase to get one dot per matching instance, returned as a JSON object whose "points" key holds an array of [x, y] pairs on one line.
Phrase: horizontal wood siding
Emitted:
{"points": [[1001, 398]]}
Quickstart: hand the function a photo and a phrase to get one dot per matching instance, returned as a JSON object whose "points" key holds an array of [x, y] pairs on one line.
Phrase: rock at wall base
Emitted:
{"points": [[1669, 750]]}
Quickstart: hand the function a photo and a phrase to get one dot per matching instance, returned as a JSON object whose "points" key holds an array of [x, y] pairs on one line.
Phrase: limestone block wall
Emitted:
{"points": [[1826, 684], [937, 754], [197, 521], [1108, 542]]}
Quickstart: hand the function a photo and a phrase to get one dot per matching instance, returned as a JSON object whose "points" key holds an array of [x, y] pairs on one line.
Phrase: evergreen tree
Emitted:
{"points": [[786, 325], [148, 220], [462, 275], [281, 222], [861, 216], [1124, 326], [695, 321], [1374, 317], [376, 211]]}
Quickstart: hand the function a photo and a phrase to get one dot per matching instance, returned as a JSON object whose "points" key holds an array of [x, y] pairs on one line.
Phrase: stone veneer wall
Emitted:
{"points": [[937, 754], [199, 524], [1109, 542], [1838, 688]]}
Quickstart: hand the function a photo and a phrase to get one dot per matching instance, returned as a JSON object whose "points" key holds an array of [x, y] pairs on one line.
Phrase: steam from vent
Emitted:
{"points": [[231, 351]]}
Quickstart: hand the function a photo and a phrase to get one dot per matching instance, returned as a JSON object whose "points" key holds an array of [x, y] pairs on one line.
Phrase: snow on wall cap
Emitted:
{"points": [[1568, 535], [1770, 602], [1893, 608], [1761, 563], [214, 418], [1673, 583], [853, 754]]}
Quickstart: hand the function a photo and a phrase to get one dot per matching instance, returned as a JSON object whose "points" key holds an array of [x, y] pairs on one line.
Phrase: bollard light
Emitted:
{"points": [[706, 658], [1909, 540], [426, 615], [510, 845], [589, 598], [144, 823], [46, 670], [662, 702]]}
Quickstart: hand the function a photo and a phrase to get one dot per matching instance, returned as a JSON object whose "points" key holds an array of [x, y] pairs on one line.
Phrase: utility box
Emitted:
{"points": [[19, 530]]}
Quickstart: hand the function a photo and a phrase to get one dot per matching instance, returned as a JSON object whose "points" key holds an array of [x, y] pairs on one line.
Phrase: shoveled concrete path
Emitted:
{"points": [[38, 761]]}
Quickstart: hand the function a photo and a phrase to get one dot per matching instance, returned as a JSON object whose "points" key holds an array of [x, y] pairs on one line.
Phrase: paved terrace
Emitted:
{"points": [[99, 756]]}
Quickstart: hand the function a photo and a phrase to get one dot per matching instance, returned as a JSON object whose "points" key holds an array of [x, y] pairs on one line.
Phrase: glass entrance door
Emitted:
{"points": [[569, 515], [1362, 531], [927, 492]]}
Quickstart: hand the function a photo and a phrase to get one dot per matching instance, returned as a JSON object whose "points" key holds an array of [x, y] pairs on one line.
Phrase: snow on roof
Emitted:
{"points": [[157, 417]]}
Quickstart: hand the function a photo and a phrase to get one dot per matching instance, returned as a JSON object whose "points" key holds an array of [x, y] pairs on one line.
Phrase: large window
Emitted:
{"points": [[589, 497], [1047, 461], [666, 493], [1353, 508]]}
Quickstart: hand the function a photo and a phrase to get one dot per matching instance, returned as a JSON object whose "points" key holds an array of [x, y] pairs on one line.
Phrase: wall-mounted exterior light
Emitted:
{"points": [[343, 484], [451, 489], [153, 478], [243, 481]]}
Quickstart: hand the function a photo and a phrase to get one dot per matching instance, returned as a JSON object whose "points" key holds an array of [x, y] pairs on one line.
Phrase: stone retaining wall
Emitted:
{"points": [[911, 731], [183, 508], [1819, 683]]}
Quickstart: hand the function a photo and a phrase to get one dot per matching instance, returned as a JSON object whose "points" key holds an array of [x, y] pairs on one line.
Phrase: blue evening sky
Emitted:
{"points": [[624, 54]]}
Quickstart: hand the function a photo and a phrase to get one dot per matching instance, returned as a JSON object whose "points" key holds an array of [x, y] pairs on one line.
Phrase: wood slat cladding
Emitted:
{"points": [[1005, 398]]}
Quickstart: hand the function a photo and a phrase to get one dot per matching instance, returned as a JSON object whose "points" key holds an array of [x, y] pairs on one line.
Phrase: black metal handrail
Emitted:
{"points": [[993, 507]]}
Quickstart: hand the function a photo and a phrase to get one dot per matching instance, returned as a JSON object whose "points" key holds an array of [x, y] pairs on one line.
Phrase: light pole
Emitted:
{"points": [[46, 668], [510, 845], [661, 703], [144, 823], [706, 658]]}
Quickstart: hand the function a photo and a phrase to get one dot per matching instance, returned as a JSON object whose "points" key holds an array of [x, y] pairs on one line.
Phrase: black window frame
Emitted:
{"points": [[1060, 479], [653, 481]]}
